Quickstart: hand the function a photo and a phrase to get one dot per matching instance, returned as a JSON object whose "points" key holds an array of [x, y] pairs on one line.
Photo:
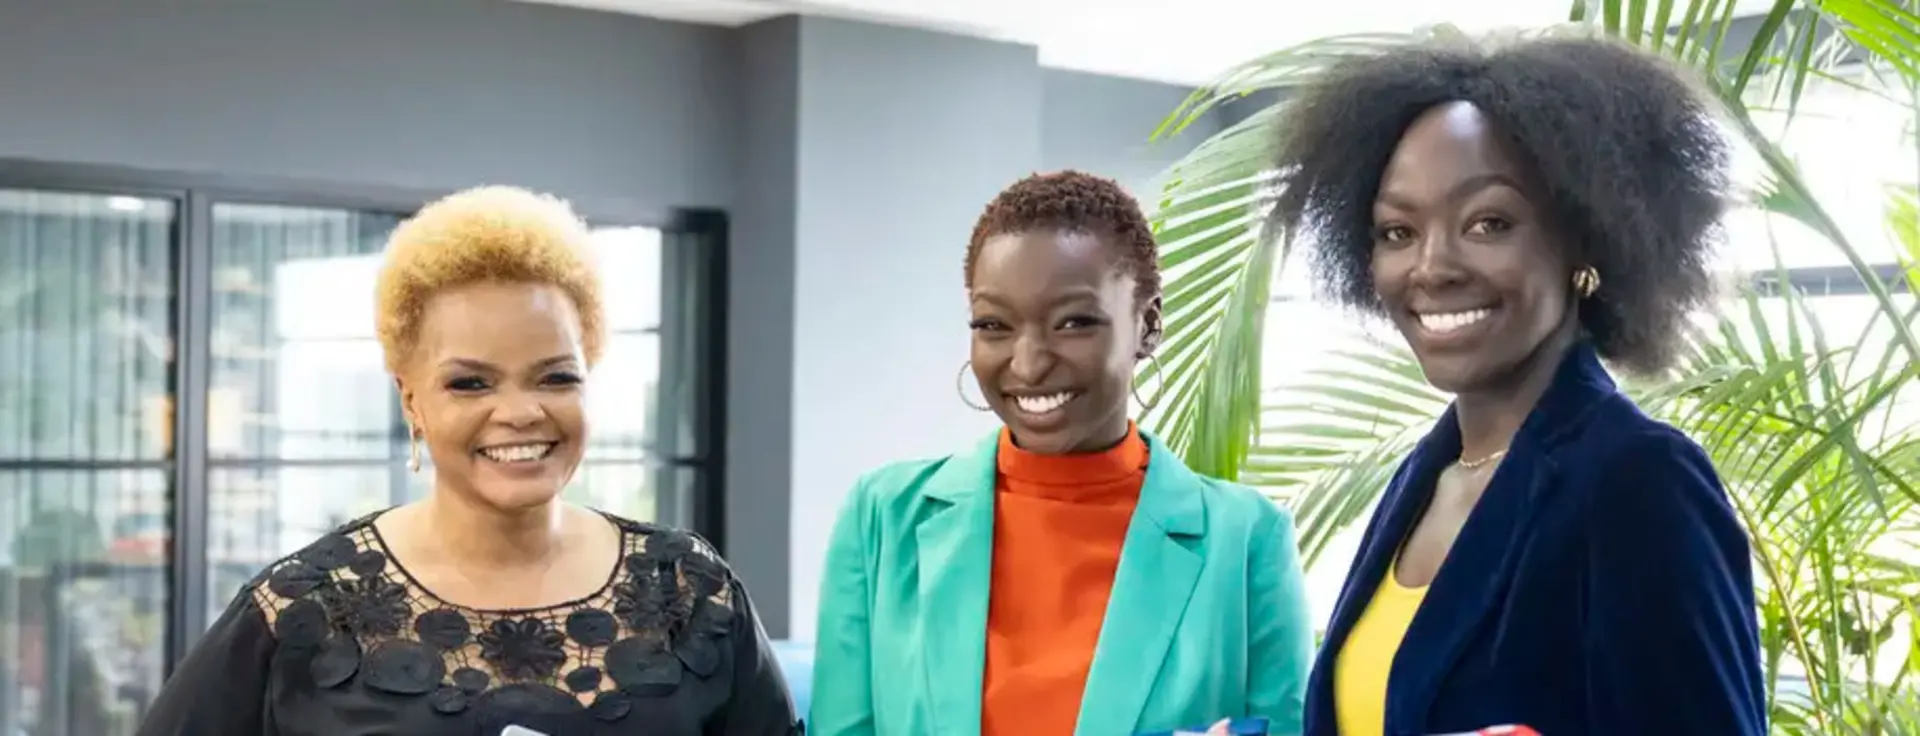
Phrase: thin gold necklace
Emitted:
{"points": [[1475, 464]]}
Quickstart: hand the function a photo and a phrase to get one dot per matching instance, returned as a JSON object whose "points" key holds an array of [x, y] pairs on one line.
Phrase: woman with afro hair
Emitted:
{"points": [[490, 603], [1067, 574], [1548, 555]]}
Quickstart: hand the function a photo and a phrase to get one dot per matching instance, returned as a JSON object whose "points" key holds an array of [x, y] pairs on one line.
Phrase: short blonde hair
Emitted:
{"points": [[490, 233]]}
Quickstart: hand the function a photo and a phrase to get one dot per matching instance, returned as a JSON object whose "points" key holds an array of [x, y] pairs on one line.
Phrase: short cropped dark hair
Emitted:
{"points": [[1626, 144], [1077, 202]]}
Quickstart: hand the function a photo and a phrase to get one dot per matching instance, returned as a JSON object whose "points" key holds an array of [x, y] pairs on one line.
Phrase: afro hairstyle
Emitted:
{"points": [[1075, 201], [1626, 144], [485, 234]]}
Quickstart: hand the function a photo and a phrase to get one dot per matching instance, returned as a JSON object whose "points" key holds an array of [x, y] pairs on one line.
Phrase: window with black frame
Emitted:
{"points": [[87, 345], [302, 427]]}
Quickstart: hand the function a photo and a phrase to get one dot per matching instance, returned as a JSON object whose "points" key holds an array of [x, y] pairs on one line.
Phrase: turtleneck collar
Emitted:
{"points": [[1125, 460]]}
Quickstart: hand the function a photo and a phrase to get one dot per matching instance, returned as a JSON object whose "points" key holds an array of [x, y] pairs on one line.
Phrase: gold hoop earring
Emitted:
{"points": [[413, 449], [1157, 394], [1586, 281], [960, 387]]}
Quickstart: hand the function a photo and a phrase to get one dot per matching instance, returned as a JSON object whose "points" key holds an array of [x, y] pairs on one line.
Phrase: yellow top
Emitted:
{"points": [[1360, 674]]}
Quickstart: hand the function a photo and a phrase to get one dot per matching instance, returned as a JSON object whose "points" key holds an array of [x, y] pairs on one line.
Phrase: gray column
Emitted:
{"points": [[868, 152]]}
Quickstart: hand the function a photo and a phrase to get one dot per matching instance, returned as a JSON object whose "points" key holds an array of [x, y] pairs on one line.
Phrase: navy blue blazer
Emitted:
{"points": [[1602, 585]]}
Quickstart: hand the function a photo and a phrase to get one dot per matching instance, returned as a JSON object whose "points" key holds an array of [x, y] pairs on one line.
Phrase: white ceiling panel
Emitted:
{"points": [[1180, 41]]}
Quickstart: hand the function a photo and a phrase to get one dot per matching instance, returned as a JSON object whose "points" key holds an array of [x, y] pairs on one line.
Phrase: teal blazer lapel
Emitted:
{"points": [[1159, 563], [955, 541]]}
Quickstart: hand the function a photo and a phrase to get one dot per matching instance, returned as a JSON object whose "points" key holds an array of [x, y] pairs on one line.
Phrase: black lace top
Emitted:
{"points": [[339, 639]]}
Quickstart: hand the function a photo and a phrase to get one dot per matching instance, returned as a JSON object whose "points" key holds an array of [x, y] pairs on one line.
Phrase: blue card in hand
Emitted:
{"points": [[1235, 727]]}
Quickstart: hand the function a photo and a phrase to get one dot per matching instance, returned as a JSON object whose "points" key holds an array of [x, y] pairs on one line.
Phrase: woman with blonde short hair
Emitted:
{"points": [[490, 603]]}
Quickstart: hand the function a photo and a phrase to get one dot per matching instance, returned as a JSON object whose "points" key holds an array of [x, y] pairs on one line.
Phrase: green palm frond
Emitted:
{"points": [[1814, 433], [1903, 224]]}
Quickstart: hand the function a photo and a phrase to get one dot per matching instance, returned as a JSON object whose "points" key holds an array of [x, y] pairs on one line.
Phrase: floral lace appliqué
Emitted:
{"points": [[357, 617]]}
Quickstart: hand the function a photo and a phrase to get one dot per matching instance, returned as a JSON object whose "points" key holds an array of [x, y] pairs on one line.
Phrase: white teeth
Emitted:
{"points": [[1450, 321], [517, 453], [1041, 404]]}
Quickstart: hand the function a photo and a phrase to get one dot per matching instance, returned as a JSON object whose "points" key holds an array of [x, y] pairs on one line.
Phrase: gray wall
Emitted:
{"points": [[852, 157], [1104, 124], [627, 112], [882, 202]]}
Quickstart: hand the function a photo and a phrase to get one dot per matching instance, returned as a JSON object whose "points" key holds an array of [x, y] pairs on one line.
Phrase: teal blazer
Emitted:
{"points": [[1208, 617]]}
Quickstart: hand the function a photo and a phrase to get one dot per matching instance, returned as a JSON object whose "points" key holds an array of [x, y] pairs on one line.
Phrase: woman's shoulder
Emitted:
{"points": [[348, 547], [1243, 507], [342, 574], [1231, 500], [1628, 470], [647, 545], [675, 574], [970, 467], [1621, 437], [899, 483]]}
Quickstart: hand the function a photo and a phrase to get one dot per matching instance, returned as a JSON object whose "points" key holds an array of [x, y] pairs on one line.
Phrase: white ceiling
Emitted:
{"points": [[1180, 41]]}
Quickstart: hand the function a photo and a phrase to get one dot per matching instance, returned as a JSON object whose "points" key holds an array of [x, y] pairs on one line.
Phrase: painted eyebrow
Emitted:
{"points": [[485, 367], [1465, 188], [1076, 294]]}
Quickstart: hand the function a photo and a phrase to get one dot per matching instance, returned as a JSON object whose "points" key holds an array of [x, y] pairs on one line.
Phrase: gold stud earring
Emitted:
{"points": [[1586, 281], [413, 450]]}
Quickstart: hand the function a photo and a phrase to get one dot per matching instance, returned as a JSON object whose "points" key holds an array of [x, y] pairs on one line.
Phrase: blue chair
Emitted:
{"points": [[796, 663]]}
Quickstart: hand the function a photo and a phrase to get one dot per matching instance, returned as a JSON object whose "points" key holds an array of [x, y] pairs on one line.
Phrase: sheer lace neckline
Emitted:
{"points": [[346, 613], [378, 539]]}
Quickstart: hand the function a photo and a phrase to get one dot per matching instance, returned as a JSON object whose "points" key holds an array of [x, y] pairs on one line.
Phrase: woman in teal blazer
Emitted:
{"points": [[1067, 575]]}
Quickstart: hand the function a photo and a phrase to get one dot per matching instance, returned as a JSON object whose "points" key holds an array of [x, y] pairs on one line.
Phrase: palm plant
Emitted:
{"points": [[1814, 433]]}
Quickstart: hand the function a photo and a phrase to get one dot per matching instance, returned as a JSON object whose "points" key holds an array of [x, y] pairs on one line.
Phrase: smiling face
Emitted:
{"points": [[496, 385], [1057, 328], [1465, 260]]}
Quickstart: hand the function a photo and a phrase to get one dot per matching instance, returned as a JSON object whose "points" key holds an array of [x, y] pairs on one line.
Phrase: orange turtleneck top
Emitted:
{"points": [[1058, 524]]}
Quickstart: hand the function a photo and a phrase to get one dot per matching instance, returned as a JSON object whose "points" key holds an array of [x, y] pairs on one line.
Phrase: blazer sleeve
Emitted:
{"points": [[842, 666], [1281, 644], [220, 689], [1672, 639]]}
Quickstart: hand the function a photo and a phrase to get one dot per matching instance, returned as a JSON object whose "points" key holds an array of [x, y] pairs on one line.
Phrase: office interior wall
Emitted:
{"points": [[627, 112], [852, 158]]}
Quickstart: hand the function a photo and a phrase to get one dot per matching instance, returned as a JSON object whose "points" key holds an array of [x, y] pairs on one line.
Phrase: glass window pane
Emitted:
{"points": [[630, 262], [623, 398], [86, 326], [1840, 137], [639, 491], [297, 371], [258, 514], [83, 599]]}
